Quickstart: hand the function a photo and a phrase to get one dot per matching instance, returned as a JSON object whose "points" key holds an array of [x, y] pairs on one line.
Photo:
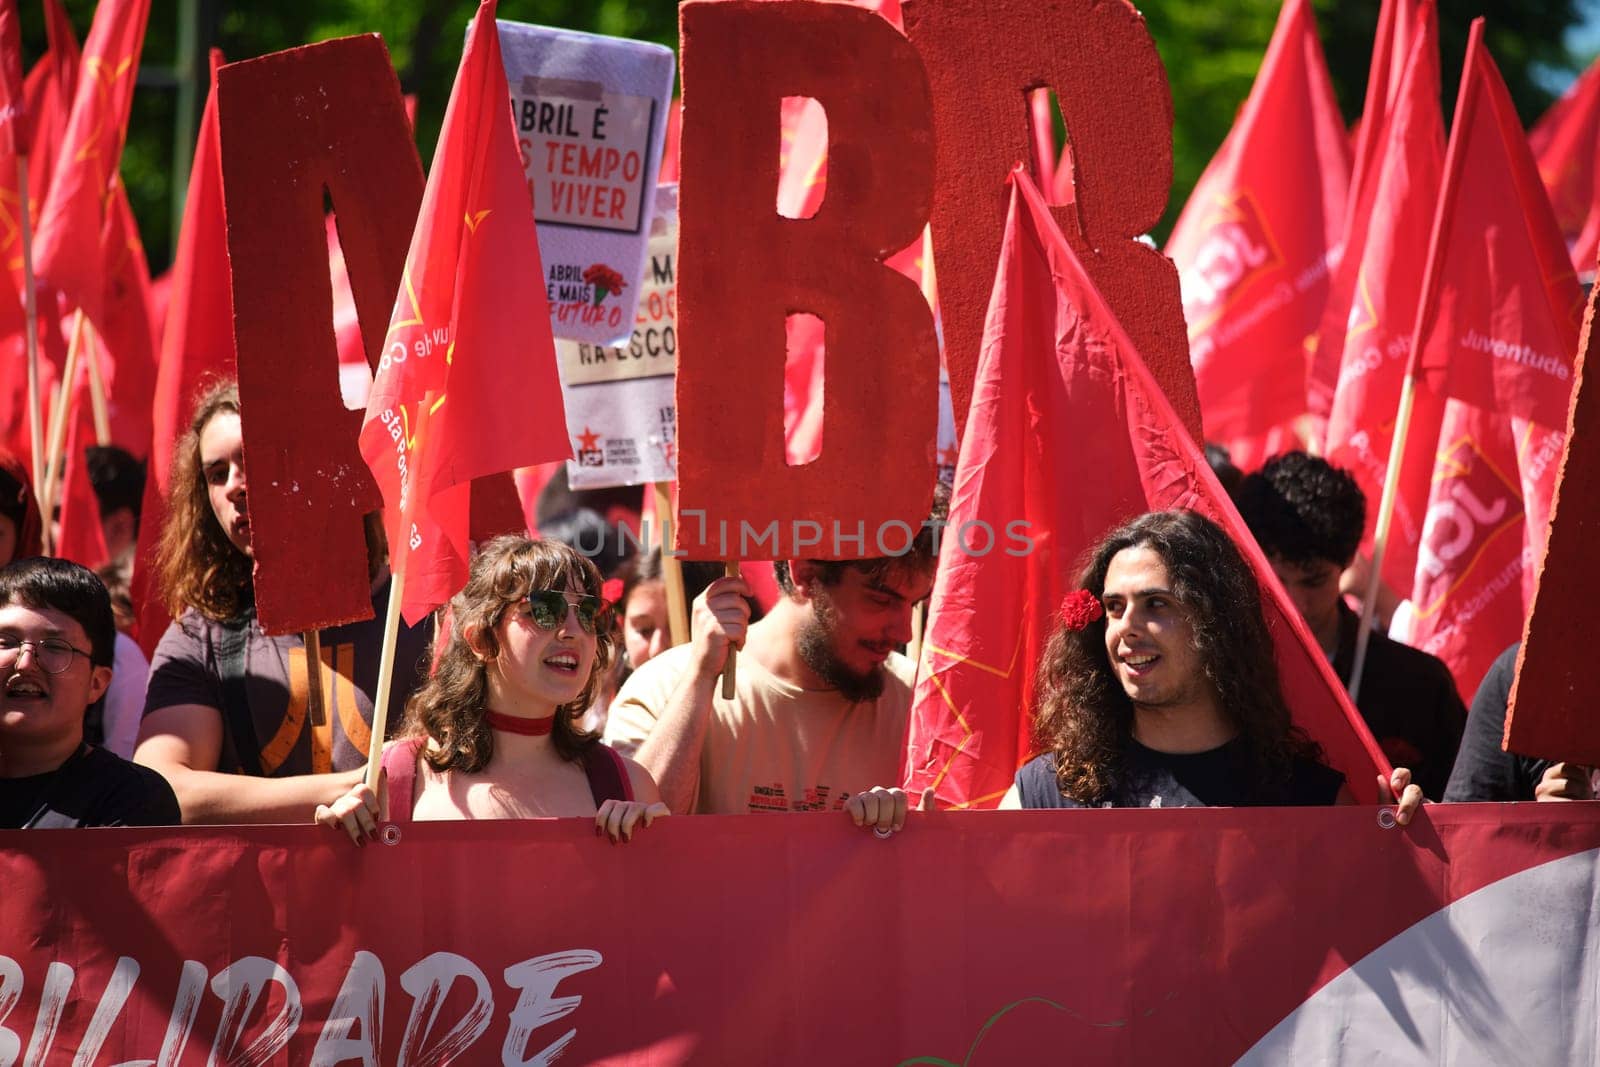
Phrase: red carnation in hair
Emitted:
{"points": [[1079, 608], [611, 591]]}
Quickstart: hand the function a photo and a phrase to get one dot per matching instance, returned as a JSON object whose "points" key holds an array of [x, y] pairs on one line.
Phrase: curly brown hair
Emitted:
{"points": [[196, 566], [1084, 716], [450, 707]]}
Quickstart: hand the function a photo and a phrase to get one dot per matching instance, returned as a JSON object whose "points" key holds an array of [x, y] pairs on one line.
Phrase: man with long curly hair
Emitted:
{"points": [[1165, 692], [1307, 515]]}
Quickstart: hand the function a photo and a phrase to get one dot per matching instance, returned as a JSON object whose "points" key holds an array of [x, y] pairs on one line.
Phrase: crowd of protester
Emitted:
{"points": [[552, 687]]}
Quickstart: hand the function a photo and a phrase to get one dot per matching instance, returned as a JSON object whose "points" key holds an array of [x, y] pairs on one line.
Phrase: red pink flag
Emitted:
{"points": [[1400, 22], [14, 137], [1496, 338], [80, 537], [69, 251], [1564, 142], [1253, 242], [50, 87], [197, 341], [467, 386], [1056, 453], [1383, 311]]}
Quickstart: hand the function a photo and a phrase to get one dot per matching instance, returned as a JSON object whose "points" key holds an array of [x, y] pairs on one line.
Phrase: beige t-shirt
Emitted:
{"points": [[775, 747]]}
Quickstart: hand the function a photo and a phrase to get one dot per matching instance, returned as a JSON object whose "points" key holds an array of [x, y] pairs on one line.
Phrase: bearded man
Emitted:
{"points": [[818, 721]]}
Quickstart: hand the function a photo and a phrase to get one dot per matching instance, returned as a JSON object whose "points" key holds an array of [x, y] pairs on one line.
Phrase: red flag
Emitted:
{"points": [[1400, 22], [197, 341], [69, 257], [14, 136], [467, 386], [1253, 241], [126, 348], [79, 536], [50, 87], [1381, 317], [1496, 337], [1072, 446], [1564, 142]]}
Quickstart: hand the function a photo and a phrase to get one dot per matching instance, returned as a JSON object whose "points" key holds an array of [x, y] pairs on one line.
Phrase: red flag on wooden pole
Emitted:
{"points": [[72, 225], [1495, 340], [1253, 241], [1071, 446], [467, 385], [1383, 312], [1400, 22]]}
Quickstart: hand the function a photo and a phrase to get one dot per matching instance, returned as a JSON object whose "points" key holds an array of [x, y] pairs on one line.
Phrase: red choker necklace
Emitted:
{"points": [[516, 724]]}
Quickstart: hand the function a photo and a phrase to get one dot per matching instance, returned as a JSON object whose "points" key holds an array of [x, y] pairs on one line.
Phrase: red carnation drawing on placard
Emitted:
{"points": [[605, 280]]}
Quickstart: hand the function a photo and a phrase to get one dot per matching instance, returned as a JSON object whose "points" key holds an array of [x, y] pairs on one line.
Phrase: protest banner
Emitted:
{"points": [[744, 270], [296, 126], [620, 399], [1260, 936], [591, 118], [982, 57]]}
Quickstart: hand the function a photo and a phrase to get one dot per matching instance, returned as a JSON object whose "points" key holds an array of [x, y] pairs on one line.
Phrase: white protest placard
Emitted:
{"points": [[591, 116], [620, 407]]}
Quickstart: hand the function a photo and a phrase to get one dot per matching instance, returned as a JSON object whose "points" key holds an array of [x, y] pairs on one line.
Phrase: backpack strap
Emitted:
{"points": [[608, 775], [400, 766]]}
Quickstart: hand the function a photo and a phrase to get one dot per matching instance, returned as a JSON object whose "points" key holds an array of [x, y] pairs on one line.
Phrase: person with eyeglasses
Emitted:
{"points": [[227, 711], [494, 733], [56, 647]]}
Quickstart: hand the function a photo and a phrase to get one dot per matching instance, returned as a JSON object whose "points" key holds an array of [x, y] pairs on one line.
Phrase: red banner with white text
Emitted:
{"points": [[1316, 935]]}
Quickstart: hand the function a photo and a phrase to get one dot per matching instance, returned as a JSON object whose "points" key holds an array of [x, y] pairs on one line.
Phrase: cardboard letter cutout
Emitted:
{"points": [[1551, 713], [743, 268], [983, 58], [328, 117]]}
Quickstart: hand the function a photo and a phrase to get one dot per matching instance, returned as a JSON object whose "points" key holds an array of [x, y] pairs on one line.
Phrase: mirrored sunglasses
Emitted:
{"points": [[548, 607]]}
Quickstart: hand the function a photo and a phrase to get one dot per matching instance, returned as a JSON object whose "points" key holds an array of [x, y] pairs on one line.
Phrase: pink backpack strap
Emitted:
{"points": [[608, 775], [400, 765]]}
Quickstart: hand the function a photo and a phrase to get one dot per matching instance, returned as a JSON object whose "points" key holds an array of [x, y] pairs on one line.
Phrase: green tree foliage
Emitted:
{"points": [[1211, 48]]}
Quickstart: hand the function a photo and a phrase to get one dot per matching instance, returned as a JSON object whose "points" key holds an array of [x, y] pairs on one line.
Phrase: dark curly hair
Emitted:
{"points": [[450, 707], [1302, 509], [1086, 719]]}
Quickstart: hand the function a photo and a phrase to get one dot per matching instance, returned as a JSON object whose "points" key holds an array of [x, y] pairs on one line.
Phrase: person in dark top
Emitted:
{"points": [[1486, 772], [1308, 515], [227, 713], [56, 642], [1160, 688]]}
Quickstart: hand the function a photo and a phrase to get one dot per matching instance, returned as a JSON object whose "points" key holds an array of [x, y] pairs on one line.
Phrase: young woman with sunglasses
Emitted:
{"points": [[494, 733]]}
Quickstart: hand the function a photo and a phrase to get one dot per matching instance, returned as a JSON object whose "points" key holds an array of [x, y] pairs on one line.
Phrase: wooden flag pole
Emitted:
{"points": [[316, 707], [671, 571], [46, 541], [391, 614], [97, 388], [30, 318], [380, 701], [729, 672], [919, 620], [1380, 533], [58, 420]]}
